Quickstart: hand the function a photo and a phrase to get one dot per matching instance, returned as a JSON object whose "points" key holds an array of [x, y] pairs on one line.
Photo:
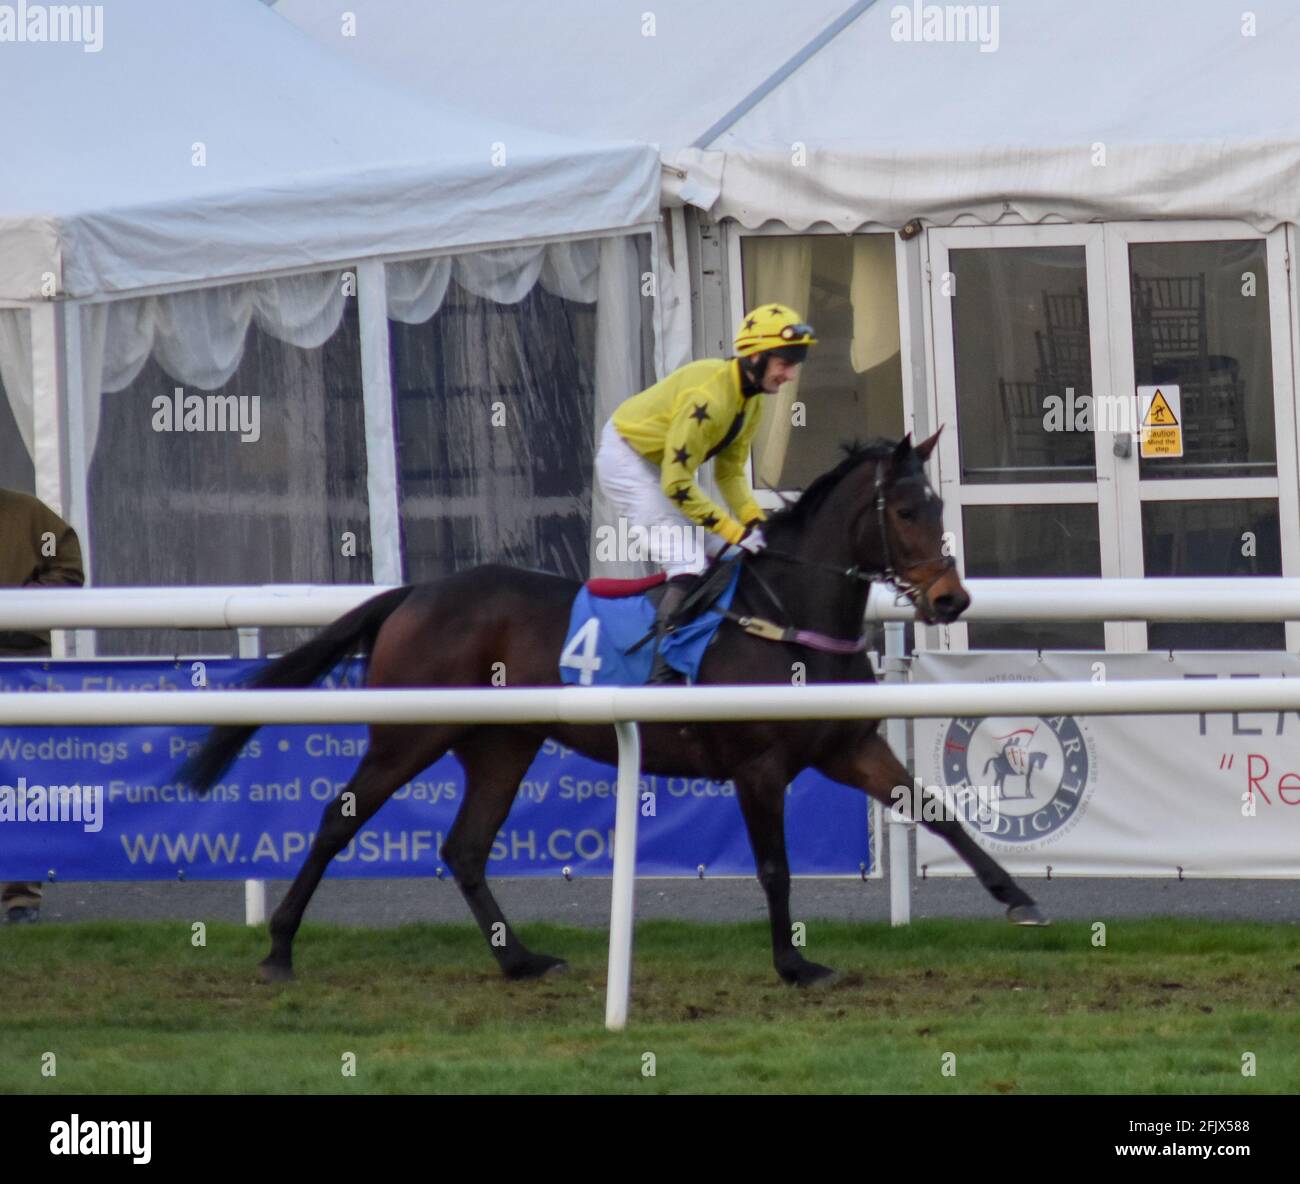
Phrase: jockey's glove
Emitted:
{"points": [[752, 540]]}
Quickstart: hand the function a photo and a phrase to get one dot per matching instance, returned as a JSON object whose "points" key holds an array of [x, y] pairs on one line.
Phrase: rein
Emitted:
{"points": [[912, 590]]}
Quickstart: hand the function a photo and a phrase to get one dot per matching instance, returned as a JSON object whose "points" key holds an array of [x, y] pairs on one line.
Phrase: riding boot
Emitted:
{"points": [[674, 593]]}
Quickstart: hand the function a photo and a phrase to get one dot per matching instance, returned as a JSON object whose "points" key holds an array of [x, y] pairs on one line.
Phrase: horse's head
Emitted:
{"points": [[902, 531]]}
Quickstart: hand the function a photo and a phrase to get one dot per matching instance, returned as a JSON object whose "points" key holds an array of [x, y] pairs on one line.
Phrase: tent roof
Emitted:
{"points": [[1195, 119], [310, 159], [1199, 114], [578, 67]]}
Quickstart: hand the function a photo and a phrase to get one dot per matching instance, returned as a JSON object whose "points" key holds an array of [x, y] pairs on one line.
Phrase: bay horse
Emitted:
{"points": [[874, 516]]}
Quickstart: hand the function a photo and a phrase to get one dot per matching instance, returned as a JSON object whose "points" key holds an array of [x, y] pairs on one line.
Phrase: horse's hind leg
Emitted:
{"points": [[872, 766], [396, 753], [762, 800], [495, 761]]}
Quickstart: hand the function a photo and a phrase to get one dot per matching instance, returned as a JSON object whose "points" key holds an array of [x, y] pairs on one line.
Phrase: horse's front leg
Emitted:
{"points": [[870, 764], [762, 800]]}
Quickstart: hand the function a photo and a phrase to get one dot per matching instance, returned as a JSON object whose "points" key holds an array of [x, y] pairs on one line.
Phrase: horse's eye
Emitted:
{"points": [[906, 515]]}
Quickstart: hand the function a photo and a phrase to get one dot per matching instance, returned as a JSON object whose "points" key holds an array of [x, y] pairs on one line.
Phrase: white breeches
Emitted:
{"points": [[649, 526]]}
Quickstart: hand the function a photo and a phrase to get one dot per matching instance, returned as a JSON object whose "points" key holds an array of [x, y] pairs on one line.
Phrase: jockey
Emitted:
{"points": [[653, 444]]}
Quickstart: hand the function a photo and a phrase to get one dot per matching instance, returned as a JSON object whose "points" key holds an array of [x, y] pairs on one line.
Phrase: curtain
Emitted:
{"points": [[672, 326], [284, 504], [416, 289], [780, 271], [16, 371], [873, 293], [206, 507], [504, 379], [619, 375], [198, 336]]}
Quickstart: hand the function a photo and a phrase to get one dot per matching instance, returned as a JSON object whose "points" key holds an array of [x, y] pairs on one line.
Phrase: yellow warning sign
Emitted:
{"points": [[1161, 422], [1160, 414]]}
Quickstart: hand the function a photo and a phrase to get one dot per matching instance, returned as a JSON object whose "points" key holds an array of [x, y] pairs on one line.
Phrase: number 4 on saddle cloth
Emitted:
{"points": [[610, 642]]}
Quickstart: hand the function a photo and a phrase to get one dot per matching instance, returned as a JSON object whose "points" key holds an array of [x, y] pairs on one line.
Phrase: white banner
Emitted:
{"points": [[1210, 794]]}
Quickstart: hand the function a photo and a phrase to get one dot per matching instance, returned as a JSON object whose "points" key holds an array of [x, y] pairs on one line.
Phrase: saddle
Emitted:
{"points": [[702, 595], [606, 641]]}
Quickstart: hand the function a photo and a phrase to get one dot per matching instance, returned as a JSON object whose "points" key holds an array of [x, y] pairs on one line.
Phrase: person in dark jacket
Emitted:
{"points": [[37, 548]]}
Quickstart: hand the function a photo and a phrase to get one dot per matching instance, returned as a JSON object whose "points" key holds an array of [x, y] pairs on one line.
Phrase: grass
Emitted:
{"points": [[1167, 1006]]}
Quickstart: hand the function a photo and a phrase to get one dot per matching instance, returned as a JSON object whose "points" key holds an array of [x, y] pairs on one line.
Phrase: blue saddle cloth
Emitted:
{"points": [[602, 631]]}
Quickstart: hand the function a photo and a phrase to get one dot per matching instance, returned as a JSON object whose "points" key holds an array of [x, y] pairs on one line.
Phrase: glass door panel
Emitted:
{"points": [[1200, 317], [1238, 537], [1019, 319], [1205, 313], [1043, 336], [1023, 364], [1032, 542]]}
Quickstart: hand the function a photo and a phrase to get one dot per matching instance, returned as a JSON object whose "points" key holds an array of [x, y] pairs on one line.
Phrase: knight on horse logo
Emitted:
{"points": [[1015, 760], [1041, 771]]}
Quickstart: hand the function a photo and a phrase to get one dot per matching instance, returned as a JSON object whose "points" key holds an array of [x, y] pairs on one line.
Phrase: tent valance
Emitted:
{"points": [[198, 336]]}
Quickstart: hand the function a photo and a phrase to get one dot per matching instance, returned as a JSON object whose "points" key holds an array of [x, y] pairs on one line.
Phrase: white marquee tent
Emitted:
{"points": [[204, 168], [853, 114], [206, 142], [1196, 100]]}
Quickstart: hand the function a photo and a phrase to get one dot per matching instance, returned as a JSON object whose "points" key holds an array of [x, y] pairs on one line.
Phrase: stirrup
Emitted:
{"points": [[662, 674]]}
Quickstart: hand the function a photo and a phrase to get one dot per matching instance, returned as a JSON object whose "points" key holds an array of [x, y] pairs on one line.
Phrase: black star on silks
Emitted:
{"points": [[776, 308], [701, 412], [682, 496], [710, 522], [749, 324], [681, 457]]}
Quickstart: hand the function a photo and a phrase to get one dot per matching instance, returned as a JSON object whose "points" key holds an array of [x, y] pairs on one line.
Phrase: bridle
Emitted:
{"points": [[912, 583]]}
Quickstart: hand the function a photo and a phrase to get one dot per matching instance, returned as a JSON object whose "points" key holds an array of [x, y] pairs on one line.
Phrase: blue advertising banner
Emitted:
{"points": [[104, 804]]}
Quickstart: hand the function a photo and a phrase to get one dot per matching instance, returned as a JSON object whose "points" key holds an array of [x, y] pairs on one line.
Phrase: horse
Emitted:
{"points": [[872, 517], [1003, 768]]}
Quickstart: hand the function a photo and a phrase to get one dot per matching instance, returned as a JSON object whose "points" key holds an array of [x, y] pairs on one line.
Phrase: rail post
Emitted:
{"points": [[250, 646], [623, 886], [900, 860]]}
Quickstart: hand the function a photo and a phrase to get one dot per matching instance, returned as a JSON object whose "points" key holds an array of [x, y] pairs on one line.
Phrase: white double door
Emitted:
{"points": [[1043, 337]]}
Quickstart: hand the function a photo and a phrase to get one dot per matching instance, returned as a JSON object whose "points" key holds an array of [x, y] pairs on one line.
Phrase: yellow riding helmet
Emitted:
{"points": [[771, 326]]}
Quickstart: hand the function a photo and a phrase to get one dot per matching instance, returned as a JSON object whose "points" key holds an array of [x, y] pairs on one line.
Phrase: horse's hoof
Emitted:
{"points": [[810, 974], [537, 966], [1026, 914], [275, 972]]}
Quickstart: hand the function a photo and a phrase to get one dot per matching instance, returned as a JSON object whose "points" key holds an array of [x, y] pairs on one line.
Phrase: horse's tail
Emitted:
{"points": [[302, 667]]}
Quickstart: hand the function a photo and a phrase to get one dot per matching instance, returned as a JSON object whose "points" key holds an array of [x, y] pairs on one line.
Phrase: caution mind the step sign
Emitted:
{"points": [[1160, 411]]}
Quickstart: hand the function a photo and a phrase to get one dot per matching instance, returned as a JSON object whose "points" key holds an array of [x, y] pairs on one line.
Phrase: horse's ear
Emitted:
{"points": [[901, 450], [925, 447]]}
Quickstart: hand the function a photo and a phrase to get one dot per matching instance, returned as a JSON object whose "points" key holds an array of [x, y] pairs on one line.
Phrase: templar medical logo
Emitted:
{"points": [[1041, 770], [23, 22]]}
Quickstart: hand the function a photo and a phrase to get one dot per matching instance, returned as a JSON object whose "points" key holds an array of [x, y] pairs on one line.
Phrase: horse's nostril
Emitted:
{"points": [[951, 605]]}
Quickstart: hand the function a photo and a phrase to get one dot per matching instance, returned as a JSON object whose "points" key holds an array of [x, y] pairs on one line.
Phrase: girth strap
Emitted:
{"points": [[810, 639]]}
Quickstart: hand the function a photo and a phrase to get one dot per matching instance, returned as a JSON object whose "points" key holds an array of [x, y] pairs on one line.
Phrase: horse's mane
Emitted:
{"points": [[796, 514]]}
